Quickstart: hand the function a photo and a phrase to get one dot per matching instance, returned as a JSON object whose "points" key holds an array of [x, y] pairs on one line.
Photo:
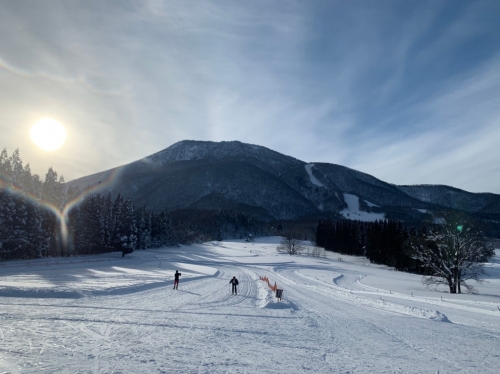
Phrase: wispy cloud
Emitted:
{"points": [[456, 142], [407, 92]]}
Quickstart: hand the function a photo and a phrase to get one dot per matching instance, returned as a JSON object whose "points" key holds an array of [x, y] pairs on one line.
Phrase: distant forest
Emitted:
{"points": [[40, 218], [382, 242], [426, 249]]}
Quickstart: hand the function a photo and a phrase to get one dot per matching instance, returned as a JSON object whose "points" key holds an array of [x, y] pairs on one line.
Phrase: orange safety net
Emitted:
{"points": [[266, 279]]}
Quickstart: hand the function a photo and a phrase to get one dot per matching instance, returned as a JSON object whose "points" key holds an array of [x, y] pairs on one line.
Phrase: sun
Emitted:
{"points": [[48, 134]]}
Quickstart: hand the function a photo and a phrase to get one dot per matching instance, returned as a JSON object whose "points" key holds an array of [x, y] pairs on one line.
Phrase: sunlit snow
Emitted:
{"points": [[339, 314]]}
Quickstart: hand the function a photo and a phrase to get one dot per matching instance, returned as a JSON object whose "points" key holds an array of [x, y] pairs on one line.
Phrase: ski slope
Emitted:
{"points": [[107, 314], [353, 212]]}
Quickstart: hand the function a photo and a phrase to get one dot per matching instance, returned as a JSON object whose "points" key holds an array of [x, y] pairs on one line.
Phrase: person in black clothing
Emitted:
{"points": [[176, 279], [234, 282]]}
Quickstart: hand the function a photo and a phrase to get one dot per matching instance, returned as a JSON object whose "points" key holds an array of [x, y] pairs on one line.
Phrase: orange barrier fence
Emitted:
{"points": [[266, 279]]}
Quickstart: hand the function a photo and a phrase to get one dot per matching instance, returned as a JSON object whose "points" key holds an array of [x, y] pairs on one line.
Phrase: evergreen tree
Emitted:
{"points": [[17, 170], [118, 226], [53, 189], [5, 167], [36, 237], [129, 237], [108, 223]]}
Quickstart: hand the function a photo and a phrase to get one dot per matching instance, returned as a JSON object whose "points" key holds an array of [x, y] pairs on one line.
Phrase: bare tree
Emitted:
{"points": [[290, 244], [452, 254], [317, 251]]}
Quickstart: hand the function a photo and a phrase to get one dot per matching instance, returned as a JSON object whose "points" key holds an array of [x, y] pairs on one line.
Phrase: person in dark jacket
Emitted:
{"points": [[234, 282], [176, 279]]}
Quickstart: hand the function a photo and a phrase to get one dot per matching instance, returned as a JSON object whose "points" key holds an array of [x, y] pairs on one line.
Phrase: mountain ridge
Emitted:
{"points": [[203, 174]]}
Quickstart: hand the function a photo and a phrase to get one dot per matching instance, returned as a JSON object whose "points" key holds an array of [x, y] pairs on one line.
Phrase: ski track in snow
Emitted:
{"points": [[122, 316]]}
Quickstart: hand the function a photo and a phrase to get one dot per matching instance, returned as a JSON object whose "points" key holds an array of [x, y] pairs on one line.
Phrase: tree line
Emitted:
{"points": [[450, 253], [40, 218], [382, 242]]}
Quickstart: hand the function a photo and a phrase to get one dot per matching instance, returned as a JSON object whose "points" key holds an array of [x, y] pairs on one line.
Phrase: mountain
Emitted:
{"points": [[455, 198], [270, 185]]}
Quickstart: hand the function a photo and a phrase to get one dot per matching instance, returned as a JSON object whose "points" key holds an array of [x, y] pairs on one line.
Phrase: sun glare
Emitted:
{"points": [[48, 134]]}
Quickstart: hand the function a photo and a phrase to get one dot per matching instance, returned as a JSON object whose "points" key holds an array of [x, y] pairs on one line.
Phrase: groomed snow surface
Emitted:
{"points": [[352, 211], [340, 314]]}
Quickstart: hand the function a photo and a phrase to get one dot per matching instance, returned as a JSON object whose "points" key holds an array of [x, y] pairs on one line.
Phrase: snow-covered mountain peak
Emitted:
{"points": [[189, 150], [255, 179]]}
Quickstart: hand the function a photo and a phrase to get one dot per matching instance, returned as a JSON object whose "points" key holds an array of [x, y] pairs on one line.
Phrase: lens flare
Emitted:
{"points": [[108, 179]]}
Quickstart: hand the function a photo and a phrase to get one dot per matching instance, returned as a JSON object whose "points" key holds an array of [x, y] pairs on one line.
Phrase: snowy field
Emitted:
{"points": [[107, 314]]}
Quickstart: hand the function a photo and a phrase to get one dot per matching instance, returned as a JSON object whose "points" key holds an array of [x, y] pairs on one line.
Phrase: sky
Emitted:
{"points": [[407, 91]]}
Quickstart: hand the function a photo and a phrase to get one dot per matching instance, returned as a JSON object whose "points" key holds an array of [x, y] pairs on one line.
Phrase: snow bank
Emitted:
{"points": [[268, 301], [381, 304]]}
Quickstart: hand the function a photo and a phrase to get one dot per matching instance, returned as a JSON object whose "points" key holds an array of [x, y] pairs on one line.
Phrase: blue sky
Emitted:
{"points": [[407, 91]]}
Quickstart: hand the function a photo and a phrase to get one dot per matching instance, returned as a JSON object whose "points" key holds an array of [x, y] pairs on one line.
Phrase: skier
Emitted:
{"points": [[176, 279], [234, 282]]}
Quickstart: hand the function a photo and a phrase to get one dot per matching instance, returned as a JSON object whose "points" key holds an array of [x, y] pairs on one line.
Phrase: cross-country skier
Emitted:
{"points": [[234, 282], [176, 279]]}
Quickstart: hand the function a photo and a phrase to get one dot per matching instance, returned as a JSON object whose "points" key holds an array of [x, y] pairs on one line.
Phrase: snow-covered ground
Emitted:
{"points": [[340, 314], [352, 211], [313, 179]]}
